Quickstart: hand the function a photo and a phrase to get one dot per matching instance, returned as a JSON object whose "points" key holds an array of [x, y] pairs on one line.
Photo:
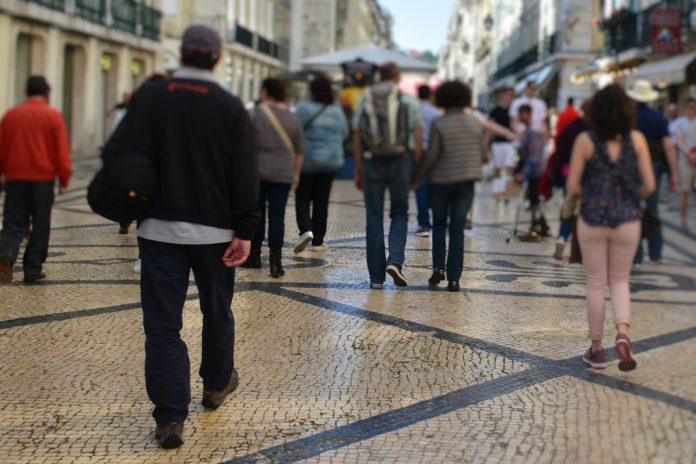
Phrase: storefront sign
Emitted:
{"points": [[666, 30]]}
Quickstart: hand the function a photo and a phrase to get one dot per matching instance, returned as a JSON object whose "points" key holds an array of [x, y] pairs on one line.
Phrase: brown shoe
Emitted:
{"points": [[123, 230], [213, 399], [33, 278], [170, 435], [5, 270]]}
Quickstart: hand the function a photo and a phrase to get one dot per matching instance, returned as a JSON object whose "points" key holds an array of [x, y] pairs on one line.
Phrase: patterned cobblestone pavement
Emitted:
{"points": [[334, 372]]}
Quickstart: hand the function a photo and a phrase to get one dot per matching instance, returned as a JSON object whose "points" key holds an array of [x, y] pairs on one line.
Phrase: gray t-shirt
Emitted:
{"points": [[687, 128], [276, 163]]}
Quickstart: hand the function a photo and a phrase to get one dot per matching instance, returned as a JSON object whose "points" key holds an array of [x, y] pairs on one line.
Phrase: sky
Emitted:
{"points": [[419, 24]]}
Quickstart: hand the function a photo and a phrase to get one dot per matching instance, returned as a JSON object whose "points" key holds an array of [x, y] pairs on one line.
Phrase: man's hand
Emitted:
{"points": [[358, 181], [237, 253], [673, 182], [295, 182], [62, 190]]}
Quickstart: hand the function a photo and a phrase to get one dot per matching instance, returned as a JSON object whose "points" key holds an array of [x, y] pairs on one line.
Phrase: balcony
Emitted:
{"points": [[268, 47], [52, 4], [548, 47], [243, 36], [626, 30], [130, 16], [91, 10], [124, 14], [151, 21]]}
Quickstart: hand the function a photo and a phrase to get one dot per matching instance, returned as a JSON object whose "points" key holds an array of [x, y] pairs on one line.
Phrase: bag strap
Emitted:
{"points": [[316, 115], [278, 127]]}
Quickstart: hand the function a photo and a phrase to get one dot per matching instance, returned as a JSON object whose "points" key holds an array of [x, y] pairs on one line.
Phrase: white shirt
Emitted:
{"points": [[687, 128], [185, 233], [539, 111]]}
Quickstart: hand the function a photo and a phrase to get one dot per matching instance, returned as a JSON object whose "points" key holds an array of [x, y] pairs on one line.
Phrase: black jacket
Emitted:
{"points": [[201, 141]]}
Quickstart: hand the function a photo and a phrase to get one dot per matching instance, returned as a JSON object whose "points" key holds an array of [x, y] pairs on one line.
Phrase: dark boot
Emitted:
{"points": [[276, 263], [254, 259]]}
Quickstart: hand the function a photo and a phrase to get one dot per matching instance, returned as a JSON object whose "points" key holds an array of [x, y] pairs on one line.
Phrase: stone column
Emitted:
{"points": [[92, 109], [6, 47]]}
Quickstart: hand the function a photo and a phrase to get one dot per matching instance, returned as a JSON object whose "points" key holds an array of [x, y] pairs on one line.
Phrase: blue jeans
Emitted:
{"points": [[655, 240], [275, 195], [564, 231], [422, 205], [391, 173], [453, 200], [163, 286]]}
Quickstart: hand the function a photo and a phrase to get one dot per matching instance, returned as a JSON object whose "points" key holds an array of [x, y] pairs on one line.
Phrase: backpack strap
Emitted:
{"points": [[371, 115]]}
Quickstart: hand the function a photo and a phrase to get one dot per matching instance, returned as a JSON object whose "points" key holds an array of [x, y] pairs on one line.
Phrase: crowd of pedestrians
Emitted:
{"points": [[224, 173]]}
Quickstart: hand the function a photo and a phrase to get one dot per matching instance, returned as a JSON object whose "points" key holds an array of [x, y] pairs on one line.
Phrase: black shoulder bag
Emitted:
{"points": [[650, 221]]}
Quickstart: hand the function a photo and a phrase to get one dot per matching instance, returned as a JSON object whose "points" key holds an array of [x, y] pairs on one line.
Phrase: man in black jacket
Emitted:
{"points": [[202, 219]]}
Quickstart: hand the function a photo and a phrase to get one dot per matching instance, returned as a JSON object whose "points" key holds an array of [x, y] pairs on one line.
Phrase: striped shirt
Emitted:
{"points": [[456, 149]]}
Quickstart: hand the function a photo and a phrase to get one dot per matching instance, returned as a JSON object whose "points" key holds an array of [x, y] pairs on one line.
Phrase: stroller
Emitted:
{"points": [[539, 227]]}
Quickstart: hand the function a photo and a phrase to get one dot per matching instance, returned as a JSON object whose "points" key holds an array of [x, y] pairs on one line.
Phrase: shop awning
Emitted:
{"points": [[541, 77], [370, 53], [664, 72]]}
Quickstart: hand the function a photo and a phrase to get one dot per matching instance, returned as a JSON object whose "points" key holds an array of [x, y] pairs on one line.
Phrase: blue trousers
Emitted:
{"points": [[275, 196], [451, 201], [422, 205], [655, 239], [164, 282], [392, 173]]}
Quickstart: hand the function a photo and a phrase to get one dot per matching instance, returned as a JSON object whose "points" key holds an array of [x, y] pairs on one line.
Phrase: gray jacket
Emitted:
{"points": [[456, 149]]}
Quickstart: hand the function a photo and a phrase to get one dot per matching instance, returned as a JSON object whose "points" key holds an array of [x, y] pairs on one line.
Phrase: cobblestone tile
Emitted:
{"points": [[390, 376], [561, 420]]}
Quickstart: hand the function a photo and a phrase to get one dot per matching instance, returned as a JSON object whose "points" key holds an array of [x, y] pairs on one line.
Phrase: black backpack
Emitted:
{"points": [[123, 190]]}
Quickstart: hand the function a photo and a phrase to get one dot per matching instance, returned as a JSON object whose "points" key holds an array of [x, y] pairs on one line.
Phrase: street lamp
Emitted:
{"points": [[488, 23]]}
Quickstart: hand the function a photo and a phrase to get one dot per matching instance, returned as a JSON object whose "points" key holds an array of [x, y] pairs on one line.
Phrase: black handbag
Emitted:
{"points": [[123, 190]]}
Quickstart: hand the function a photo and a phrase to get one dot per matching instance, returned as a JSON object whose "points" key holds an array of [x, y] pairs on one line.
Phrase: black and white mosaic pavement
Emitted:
{"points": [[334, 372]]}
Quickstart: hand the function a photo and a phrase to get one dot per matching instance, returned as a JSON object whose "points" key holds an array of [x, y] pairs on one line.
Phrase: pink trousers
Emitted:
{"points": [[608, 256]]}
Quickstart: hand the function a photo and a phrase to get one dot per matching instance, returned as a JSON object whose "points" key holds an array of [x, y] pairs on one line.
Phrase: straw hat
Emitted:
{"points": [[642, 91]]}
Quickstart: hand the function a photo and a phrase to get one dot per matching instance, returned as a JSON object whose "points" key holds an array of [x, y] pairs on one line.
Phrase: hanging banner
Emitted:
{"points": [[666, 30]]}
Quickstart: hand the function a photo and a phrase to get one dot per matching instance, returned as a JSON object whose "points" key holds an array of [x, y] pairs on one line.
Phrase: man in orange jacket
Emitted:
{"points": [[34, 150]]}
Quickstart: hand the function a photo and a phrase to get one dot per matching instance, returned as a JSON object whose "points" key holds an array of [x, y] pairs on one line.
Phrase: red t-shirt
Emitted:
{"points": [[569, 115]]}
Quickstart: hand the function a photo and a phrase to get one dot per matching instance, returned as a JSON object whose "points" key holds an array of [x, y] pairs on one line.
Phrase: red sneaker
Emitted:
{"points": [[595, 359], [624, 350]]}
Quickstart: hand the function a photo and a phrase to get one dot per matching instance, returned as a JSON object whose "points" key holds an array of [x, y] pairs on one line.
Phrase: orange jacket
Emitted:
{"points": [[34, 143]]}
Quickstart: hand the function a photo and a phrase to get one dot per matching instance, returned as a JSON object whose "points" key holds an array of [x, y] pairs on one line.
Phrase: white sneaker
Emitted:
{"points": [[302, 242], [394, 270], [320, 248], [137, 267]]}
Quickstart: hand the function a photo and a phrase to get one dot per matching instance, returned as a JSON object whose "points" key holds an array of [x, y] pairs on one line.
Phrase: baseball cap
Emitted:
{"points": [[201, 38]]}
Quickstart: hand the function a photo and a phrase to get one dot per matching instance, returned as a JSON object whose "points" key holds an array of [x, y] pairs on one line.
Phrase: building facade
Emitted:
{"points": [[647, 39], [541, 40], [91, 52], [325, 26], [256, 35]]}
